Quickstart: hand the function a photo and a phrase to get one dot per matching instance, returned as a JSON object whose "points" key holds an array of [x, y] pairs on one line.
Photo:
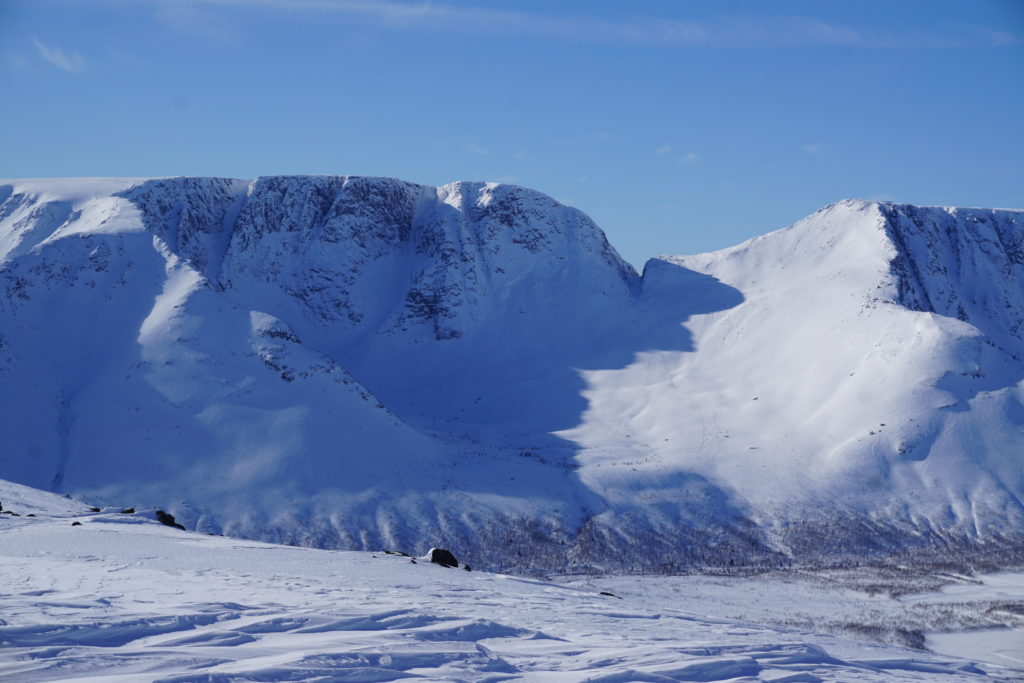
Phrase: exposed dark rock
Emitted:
{"points": [[76, 524], [94, 509], [128, 511], [442, 557], [168, 519]]}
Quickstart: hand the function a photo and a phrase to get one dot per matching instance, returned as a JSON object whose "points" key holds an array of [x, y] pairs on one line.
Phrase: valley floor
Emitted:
{"points": [[979, 617], [122, 598]]}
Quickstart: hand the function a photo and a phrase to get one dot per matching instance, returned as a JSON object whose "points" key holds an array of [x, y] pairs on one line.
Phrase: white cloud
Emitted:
{"points": [[733, 32], [664, 149], [813, 150], [477, 149], [689, 158], [68, 61], [653, 31], [519, 156]]}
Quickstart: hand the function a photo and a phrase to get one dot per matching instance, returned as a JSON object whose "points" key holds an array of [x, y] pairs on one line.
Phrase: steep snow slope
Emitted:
{"points": [[127, 372], [868, 386], [356, 362], [178, 341], [121, 598]]}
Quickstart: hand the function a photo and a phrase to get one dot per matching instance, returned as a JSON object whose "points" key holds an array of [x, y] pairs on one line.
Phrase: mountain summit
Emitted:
{"points": [[363, 362]]}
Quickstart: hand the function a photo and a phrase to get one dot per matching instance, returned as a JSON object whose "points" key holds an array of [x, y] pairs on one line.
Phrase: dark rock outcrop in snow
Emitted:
{"points": [[442, 557]]}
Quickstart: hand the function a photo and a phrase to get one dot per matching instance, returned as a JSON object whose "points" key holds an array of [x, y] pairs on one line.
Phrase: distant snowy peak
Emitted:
{"points": [[363, 362], [844, 241], [351, 253], [957, 262], [874, 364]]}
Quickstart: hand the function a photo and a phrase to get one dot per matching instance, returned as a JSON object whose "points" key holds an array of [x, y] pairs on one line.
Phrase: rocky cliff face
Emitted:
{"points": [[359, 362], [350, 253], [962, 263]]}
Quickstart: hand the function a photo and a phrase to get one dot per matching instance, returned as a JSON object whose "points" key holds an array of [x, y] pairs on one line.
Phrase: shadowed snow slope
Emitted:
{"points": [[356, 362]]}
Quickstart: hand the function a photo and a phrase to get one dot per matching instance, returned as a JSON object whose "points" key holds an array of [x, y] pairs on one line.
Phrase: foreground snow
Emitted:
{"points": [[979, 617], [122, 598]]}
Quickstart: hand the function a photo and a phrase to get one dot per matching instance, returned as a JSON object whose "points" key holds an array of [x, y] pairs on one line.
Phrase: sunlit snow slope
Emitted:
{"points": [[868, 387], [363, 362]]}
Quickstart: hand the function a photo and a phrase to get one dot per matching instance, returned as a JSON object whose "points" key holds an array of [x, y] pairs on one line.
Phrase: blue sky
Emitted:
{"points": [[678, 126]]}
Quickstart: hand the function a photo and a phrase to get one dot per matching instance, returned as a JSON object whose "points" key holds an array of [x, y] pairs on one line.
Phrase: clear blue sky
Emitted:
{"points": [[678, 126]]}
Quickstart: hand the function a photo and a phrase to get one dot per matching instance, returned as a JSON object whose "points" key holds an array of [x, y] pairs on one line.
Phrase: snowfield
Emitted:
{"points": [[121, 598], [356, 363]]}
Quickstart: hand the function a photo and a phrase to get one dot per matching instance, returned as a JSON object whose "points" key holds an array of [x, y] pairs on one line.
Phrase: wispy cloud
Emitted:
{"points": [[759, 32], [664, 149], [68, 61], [477, 149], [813, 150], [689, 158]]}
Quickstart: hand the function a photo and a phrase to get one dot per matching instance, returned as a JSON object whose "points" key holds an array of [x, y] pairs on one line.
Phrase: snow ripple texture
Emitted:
{"points": [[121, 598]]}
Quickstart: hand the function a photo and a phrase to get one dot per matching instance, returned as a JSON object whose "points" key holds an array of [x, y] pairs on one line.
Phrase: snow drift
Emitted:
{"points": [[99, 595], [363, 362]]}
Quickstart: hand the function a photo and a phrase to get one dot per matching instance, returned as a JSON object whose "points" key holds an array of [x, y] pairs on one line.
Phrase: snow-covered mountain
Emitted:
{"points": [[363, 362]]}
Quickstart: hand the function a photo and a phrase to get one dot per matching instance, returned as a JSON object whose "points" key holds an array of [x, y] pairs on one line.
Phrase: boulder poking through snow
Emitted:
{"points": [[442, 557], [168, 520]]}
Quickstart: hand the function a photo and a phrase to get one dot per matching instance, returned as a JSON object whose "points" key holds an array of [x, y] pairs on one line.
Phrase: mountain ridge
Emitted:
{"points": [[357, 362]]}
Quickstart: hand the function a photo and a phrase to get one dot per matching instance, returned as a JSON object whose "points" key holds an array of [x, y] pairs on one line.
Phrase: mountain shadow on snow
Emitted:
{"points": [[361, 362]]}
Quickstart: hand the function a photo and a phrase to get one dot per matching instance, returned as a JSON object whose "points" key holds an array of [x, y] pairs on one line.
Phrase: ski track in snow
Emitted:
{"points": [[121, 598]]}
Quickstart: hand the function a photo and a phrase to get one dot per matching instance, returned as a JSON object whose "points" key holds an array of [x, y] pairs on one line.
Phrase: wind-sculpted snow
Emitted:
{"points": [[105, 600], [358, 362]]}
